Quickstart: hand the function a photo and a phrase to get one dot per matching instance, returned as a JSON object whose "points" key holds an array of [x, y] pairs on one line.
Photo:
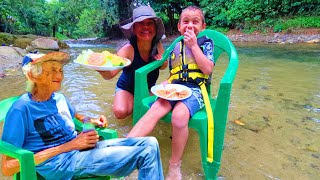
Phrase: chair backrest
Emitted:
{"points": [[5, 106], [221, 44]]}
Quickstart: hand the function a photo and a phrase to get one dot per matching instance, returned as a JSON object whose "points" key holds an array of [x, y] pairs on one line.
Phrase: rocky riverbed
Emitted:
{"points": [[297, 36], [293, 36]]}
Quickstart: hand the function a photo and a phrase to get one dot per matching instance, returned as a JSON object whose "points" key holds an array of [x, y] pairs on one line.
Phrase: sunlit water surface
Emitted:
{"points": [[276, 94]]}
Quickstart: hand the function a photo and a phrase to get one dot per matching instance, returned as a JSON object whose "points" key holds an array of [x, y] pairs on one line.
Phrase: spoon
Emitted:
{"points": [[176, 91]]}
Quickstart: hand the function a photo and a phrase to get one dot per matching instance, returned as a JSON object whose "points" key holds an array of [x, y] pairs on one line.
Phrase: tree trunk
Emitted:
{"points": [[124, 9], [54, 28]]}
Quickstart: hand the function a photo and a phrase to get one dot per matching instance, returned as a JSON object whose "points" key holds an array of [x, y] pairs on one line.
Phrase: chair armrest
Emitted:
{"points": [[25, 157], [105, 133], [141, 84]]}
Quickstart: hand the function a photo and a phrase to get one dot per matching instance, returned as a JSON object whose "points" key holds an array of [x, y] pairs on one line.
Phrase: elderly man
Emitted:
{"points": [[41, 121]]}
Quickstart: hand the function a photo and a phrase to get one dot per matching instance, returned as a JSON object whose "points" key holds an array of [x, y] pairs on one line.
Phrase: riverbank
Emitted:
{"points": [[294, 36], [310, 36]]}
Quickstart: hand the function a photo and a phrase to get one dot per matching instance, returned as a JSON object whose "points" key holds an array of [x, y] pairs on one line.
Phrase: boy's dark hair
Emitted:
{"points": [[193, 8]]}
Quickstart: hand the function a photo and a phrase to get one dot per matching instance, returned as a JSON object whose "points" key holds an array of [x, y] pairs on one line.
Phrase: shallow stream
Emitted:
{"points": [[276, 94]]}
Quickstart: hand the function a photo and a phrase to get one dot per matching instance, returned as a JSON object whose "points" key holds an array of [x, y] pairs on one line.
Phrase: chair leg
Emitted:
{"points": [[210, 169]]}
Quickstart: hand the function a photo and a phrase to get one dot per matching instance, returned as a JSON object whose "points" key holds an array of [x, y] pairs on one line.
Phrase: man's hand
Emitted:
{"points": [[101, 121], [84, 141]]}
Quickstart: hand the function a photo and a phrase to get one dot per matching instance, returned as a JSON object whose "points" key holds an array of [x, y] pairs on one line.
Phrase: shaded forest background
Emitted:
{"points": [[66, 19]]}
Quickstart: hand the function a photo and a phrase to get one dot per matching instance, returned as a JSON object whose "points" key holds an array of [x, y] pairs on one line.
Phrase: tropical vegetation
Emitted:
{"points": [[100, 18]]}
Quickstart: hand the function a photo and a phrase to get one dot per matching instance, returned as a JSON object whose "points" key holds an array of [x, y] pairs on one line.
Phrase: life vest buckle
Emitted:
{"points": [[185, 75], [199, 81], [184, 67]]}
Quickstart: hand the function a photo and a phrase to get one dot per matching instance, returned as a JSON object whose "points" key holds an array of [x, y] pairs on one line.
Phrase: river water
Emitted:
{"points": [[276, 94]]}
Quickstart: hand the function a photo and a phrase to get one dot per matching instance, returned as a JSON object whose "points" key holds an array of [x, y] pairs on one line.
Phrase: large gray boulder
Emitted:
{"points": [[44, 43]]}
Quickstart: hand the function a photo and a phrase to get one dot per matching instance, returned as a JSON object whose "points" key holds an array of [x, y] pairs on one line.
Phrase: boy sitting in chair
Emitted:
{"points": [[191, 64]]}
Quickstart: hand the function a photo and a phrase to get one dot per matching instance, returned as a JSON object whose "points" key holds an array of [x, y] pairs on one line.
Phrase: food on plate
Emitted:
{"points": [[96, 59], [117, 61], [114, 59], [172, 93], [165, 92], [104, 58]]}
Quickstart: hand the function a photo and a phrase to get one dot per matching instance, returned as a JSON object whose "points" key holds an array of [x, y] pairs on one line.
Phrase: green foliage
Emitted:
{"points": [[302, 22], [278, 28], [216, 12], [249, 30], [6, 38], [61, 36], [222, 30], [90, 24], [250, 15], [242, 10], [97, 18]]}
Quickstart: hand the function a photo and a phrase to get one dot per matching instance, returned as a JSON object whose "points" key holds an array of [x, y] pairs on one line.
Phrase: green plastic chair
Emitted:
{"points": [[219, 104], [26, 158]]}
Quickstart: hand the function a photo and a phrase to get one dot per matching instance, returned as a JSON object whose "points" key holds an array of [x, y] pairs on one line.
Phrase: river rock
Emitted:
{"points": [[22, 42], [317, 40], [10, 58], [44, 43], [63, 45]]}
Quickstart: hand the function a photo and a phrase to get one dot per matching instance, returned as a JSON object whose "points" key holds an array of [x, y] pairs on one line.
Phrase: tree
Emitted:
{"points": [[54, 15]]}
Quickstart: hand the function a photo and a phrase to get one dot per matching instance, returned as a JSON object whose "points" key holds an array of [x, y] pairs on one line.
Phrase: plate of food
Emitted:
{"points": [[172, 92], [104, 61]]}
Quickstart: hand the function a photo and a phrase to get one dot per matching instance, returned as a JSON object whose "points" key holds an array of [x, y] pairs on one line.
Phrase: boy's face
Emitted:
{"points": [[191, 20]]}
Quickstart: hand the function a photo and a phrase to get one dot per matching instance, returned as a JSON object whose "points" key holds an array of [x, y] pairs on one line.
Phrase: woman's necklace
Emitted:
{"points": [[41, 102], [37, 99]]}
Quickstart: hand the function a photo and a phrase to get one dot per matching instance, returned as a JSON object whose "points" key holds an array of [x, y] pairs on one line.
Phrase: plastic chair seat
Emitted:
{"points": [[201, 115]]}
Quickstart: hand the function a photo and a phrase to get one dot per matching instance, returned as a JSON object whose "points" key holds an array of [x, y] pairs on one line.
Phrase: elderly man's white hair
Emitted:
{"points": [[35, 70]]}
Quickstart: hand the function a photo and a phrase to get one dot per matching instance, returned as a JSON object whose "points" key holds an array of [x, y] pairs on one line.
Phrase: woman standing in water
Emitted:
{"points": [[144, 32]]}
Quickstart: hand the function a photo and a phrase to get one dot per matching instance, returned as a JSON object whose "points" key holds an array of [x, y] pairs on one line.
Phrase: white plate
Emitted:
{"points": [[104, 67], [178, 87]]}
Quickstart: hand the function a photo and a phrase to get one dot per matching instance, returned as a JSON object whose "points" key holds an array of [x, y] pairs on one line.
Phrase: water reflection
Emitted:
{"points": [[275, 94]]}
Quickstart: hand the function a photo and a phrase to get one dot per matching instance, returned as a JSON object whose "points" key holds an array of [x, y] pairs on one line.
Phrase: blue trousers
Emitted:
{"points": [[119, 157]]}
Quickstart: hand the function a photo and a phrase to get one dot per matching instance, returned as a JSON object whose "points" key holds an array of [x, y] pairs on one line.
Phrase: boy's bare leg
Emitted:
{"points": [[149, 120], [180, 132]]}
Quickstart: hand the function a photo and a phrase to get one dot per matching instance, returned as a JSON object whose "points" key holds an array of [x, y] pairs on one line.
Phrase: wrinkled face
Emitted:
{"points": [[191, 20], [51, 77], [145, 30]]}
